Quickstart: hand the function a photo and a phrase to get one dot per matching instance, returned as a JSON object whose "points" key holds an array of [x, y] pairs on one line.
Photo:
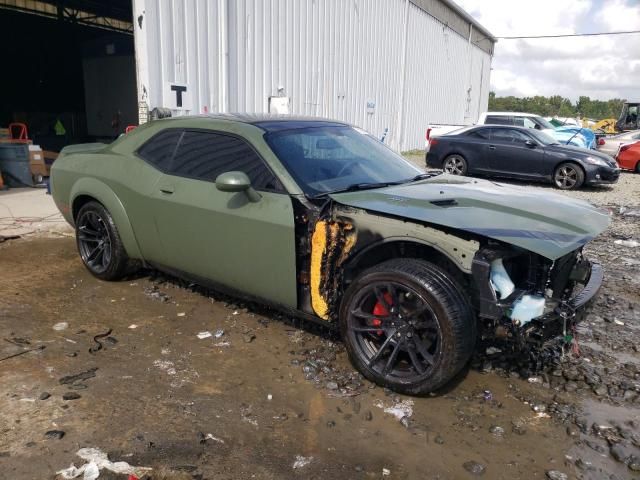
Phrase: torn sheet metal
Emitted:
{"points": [[331, 243]]}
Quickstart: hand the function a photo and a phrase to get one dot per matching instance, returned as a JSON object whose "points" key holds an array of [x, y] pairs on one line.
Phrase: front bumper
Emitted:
{"points": [[566, 315], [602, 175]]}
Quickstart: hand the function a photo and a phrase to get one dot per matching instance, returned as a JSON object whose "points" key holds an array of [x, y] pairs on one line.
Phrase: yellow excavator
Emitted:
{"points": [[629, 120], [607, 125]]}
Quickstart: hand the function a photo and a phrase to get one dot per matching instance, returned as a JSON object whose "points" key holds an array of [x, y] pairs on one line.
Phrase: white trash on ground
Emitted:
{"points": [[97, 460], [301, 461]]}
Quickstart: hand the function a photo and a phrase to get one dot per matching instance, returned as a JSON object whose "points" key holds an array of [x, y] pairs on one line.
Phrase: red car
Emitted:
{"points": [[628, 156]]}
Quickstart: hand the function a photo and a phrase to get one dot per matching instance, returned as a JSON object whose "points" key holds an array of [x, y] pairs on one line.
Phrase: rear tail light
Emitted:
{"points": [[428, 133], [601, 141], [624, 147], [433, 141]]}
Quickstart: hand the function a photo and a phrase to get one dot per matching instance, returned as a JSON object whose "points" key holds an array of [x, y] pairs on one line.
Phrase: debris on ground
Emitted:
{"points": [[400, 409], [60, 326], [154, 293], [71, 396], [71, 379], [203, 335], [96, 461], [54, 434], [627, 243], [98, 344], [219, 333], [474, 468], [41, 347], [301, 462], [204, 438]]}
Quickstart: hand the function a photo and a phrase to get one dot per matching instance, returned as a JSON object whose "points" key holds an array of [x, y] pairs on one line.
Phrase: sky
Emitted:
{"points": [[601, 67]]}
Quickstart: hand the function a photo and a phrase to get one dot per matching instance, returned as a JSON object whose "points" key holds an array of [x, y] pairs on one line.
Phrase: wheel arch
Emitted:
{"points": [[406, 247], [91, 189]]}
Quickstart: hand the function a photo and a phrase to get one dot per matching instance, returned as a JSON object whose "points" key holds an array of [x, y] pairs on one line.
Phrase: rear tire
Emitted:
{"points": [[568, 176], [407, 326], [99, 243], [638, 167], [455, 165]]}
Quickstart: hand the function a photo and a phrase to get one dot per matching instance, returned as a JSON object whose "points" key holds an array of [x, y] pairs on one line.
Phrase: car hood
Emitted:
{"points": [[542, 222], [580, 153]]}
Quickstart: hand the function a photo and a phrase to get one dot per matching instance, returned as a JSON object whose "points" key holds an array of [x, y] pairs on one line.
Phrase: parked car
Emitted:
{"points": [[613, 143], [577, 136], [522, 153], [567, 135], [318, 219], [628, 156]]}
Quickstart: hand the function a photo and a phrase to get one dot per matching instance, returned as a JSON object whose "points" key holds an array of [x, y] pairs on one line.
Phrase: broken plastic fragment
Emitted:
{"points": [[203, 335], [500, 280]]}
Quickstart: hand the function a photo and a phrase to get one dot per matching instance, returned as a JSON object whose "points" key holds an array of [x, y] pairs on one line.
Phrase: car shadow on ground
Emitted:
{"points": [[158, 278]]}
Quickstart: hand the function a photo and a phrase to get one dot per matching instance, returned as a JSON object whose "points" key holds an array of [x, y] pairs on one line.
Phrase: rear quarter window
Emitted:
{"points": [[160, 148]]}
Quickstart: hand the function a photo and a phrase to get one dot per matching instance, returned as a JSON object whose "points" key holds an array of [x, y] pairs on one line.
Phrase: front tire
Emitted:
{"points": [[455, 165], [568, 176], [99, 243], [407, 326]]}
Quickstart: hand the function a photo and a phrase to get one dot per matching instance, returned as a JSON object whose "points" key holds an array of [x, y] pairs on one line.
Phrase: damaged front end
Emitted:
{"points": [[526, 301]]}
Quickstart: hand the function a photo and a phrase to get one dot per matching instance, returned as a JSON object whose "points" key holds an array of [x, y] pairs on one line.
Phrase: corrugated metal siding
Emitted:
{"points": [[441, 67], [330, 57]]}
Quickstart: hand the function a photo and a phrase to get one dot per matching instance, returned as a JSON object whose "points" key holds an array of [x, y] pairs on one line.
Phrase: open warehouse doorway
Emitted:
{"points": [[68, 72]]}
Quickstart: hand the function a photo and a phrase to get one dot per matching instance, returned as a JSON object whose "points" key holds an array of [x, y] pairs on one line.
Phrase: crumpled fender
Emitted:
{"points": [[107, 197]]}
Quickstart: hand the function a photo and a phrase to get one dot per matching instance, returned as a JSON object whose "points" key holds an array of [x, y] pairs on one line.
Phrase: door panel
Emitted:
{"points": [[509, 154], [221, 236]]}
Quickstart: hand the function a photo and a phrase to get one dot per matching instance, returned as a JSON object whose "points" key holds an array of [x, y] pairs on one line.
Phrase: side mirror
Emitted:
{"points": [[237, 182], [530, 144]]}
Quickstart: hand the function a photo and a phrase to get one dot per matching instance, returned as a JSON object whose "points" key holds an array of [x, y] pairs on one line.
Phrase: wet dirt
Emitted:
{"points": [[159, 390], [265, 396]]}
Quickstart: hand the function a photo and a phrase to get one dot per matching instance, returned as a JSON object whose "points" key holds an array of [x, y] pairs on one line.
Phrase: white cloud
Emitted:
{"points": [[600, 67]]}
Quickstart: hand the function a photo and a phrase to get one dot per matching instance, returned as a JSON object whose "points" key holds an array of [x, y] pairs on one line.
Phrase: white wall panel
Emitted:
{"points": [[330, 57]]}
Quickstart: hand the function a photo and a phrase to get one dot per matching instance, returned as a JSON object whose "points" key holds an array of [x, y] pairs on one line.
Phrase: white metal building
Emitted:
{"points": [[95, 67], [393, 65]]}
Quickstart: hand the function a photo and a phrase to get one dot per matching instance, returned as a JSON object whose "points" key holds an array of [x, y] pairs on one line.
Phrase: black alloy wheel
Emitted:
{"points": [[407, 326], [99, 243]]}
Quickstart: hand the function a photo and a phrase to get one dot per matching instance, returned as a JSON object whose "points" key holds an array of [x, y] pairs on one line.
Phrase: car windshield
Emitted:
{"points": [[544, 123], [334, 158], [543, 137]]}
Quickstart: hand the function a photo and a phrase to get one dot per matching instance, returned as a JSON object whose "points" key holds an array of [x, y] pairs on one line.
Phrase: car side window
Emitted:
{"points": [[483, 133], [636, 136], [527, 122], [159, 149], [205, 155], [509, 136], [498, 120]]}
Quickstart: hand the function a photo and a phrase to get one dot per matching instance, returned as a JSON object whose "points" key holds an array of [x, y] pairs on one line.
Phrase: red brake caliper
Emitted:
{"points": [[380, 309]]}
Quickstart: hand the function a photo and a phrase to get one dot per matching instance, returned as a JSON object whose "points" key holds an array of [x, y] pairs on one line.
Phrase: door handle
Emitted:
{"points": [[168, 189], [492, 147]]}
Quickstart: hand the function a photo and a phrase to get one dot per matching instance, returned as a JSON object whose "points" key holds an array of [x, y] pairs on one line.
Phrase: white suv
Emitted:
{"points": [[517, 119]]}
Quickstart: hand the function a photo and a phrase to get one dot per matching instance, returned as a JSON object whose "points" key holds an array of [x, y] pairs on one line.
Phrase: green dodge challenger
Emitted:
{"points": [[318, 218]]}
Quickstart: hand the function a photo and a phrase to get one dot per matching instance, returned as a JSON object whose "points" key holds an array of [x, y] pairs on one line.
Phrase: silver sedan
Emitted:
{"points": [[612, 143]]}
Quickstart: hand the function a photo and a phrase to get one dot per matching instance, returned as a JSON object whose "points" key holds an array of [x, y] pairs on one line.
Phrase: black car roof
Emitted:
{"points": [[276, 122]]}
